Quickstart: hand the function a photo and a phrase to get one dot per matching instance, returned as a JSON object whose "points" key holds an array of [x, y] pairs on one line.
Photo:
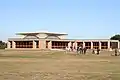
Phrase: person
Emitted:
{"points": [[84, 50], [115, 51], [67, 50], [93, 51], [78, 49], [81, 50], [71, 48], [98, 51], [119, 52], [74, 48]]}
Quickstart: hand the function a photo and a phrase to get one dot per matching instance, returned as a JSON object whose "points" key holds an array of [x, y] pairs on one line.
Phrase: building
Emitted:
{"points": [[50, 40]]}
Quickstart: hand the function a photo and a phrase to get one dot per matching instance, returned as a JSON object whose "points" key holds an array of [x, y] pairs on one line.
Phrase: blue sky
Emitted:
{"points": [[78, 18]]}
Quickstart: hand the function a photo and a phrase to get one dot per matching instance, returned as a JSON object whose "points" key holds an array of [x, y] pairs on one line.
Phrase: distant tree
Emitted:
{"points": [[3, 45], [0, 42], [115, 37]]}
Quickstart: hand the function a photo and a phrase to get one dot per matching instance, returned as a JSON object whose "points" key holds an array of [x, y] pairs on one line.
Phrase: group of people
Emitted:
{"points": [[117, 52], [83, 50], [96, 52], [79, 49]]}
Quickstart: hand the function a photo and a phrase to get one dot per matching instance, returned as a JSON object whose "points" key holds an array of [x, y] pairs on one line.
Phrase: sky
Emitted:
{"points": [[82, 19]]}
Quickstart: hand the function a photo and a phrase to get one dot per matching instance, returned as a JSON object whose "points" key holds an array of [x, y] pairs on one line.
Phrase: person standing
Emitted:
{"points": [[116, 51], [81, 50], [98, 51], [119, 52], [93, 51], [84, 50], [78, 50], [71, 48]]}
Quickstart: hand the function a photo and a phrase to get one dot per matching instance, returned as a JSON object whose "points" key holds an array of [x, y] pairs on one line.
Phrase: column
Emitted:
{"points": [[69, 44], [91, 44], [39, 44], [83, 44], [118, 45], [8, 44], [42, 44], [99, 44], [13, 44], [108, 44], [50, 45], [34, 44], [75, 45]]}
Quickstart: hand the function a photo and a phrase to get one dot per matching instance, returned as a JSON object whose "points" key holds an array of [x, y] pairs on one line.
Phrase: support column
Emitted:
{"points": [[34, 44], [91, 44], [50, 45], [99, 44], [69, 44], [42, 44], [108, 44], [13, 44], [83, 44], [8, 44], [76, 45], [118, 45], [39, 44], [73, 45]]}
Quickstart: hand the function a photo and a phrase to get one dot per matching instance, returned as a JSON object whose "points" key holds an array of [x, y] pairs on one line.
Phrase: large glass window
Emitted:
{"points": [[59, 44]]}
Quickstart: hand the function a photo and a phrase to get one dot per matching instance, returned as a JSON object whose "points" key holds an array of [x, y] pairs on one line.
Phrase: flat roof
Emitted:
{"points": [[40, 32]]}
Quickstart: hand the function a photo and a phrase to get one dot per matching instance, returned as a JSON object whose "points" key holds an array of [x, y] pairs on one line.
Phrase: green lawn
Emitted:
{"points": [[40, 65]]}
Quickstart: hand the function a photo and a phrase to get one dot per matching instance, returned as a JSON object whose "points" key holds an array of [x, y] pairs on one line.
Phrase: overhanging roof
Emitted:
{"points": [[78, 40], [35, 33]]}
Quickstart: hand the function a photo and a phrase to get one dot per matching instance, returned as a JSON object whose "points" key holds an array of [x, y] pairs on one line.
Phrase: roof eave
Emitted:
{"points": [[41, 33]]}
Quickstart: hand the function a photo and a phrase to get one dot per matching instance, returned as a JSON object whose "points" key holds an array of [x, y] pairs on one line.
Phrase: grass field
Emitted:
{"points": [[36, 65]]}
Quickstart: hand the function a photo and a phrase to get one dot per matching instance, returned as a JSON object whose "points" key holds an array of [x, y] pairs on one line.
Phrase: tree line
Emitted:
{"points": [[3, 45], [115, 37]]}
